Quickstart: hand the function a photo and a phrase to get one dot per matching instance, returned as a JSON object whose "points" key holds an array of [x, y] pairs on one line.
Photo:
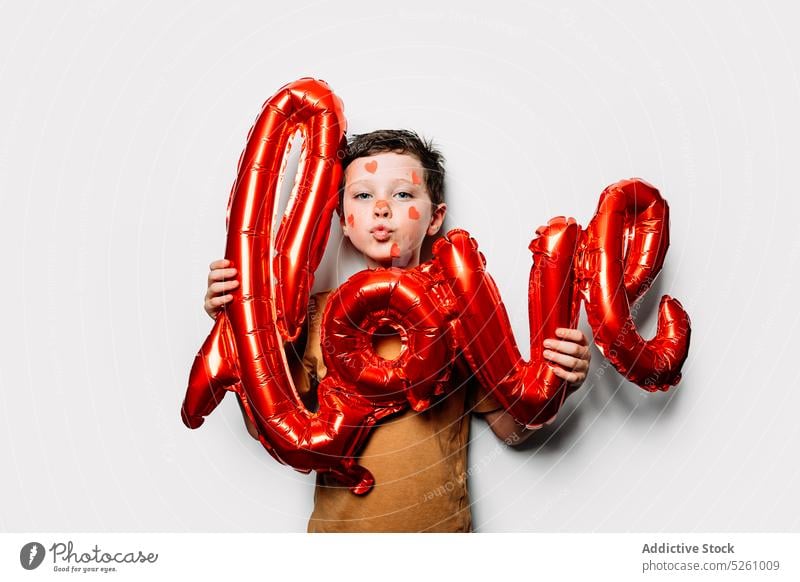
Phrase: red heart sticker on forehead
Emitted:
{"points": [[415, 179], [371, 166]]}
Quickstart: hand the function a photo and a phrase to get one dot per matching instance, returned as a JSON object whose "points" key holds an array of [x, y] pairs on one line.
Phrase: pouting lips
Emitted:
{"points": [[381, 234]]}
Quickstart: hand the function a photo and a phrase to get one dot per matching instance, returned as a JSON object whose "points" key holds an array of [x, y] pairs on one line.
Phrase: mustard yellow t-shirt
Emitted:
{"points": [[419, 460]]}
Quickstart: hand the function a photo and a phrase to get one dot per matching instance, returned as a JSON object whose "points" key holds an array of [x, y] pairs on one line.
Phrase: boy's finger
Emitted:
{"points": [[219, 264], [574, 335], [220, 274], [568, 362], [564, 375], [223, 286], [221, 300], [567, 347]]}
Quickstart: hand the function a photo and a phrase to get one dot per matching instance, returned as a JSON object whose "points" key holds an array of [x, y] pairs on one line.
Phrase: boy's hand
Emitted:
{"points": [[571, 351], [220, 281]]}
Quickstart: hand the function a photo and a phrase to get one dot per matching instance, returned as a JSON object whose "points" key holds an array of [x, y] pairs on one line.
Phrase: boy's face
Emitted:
{"points": [[387, 209]]}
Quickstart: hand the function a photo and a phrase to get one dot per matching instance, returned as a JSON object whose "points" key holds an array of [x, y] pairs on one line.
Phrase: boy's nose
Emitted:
{"points": [[382, 209]]}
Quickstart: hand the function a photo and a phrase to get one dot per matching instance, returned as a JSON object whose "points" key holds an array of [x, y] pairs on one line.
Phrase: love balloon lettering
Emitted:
{"points": [[444, 307]]}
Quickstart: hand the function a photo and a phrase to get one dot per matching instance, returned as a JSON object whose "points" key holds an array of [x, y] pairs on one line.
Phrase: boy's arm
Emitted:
{"points": [[221, 281], [506, 428], [569, 351]]}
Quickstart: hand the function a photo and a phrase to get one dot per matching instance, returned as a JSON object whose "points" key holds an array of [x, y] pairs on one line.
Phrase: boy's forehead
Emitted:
{"points": [[382, 163]]}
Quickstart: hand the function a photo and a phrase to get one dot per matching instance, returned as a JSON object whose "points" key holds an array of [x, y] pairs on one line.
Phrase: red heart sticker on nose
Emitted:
{"points": [[413, 213], [371, 166]]}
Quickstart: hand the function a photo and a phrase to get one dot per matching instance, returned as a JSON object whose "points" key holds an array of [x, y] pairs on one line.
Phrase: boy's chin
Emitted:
{"points": [[388, 261]]}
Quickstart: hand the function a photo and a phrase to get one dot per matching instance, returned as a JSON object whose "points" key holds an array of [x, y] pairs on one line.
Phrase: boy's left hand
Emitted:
{"points": [[570, 350]]}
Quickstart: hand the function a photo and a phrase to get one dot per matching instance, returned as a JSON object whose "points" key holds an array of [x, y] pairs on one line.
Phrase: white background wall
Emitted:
{"points": [[120, 128]]}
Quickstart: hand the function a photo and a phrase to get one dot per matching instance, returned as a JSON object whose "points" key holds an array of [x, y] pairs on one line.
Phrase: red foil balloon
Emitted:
{"points": [[438, 308], [529, 391], [622, 251], [245, 350], [411, 303]]}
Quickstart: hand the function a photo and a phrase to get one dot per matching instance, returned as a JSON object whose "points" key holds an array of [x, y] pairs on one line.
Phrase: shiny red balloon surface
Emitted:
{"points": [[446, 308]]}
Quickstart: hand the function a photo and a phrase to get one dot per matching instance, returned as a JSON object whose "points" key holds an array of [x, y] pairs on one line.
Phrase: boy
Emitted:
{"points": [[391, 201]]}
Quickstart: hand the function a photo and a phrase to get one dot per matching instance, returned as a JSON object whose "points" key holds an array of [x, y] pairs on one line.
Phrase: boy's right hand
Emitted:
{"points": [[220, 282]]}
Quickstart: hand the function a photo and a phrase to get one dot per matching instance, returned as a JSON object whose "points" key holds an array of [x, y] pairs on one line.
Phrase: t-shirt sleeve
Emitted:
{"points": [[483, 402], [302, 382], [311, 366], [479, 400]]}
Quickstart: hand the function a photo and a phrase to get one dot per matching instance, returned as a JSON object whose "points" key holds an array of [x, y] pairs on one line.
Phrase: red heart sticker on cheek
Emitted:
{"points": [[413, 213], [351, 220], [395, 252], [371, 166], [415, 179]]}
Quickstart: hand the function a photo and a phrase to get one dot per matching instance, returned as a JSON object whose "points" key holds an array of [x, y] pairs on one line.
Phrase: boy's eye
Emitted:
{"points": [[404, 195], [362, 195]]}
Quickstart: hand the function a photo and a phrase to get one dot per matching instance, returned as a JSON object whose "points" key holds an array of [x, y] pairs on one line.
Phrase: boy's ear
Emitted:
{"points": [[437, 218]]}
